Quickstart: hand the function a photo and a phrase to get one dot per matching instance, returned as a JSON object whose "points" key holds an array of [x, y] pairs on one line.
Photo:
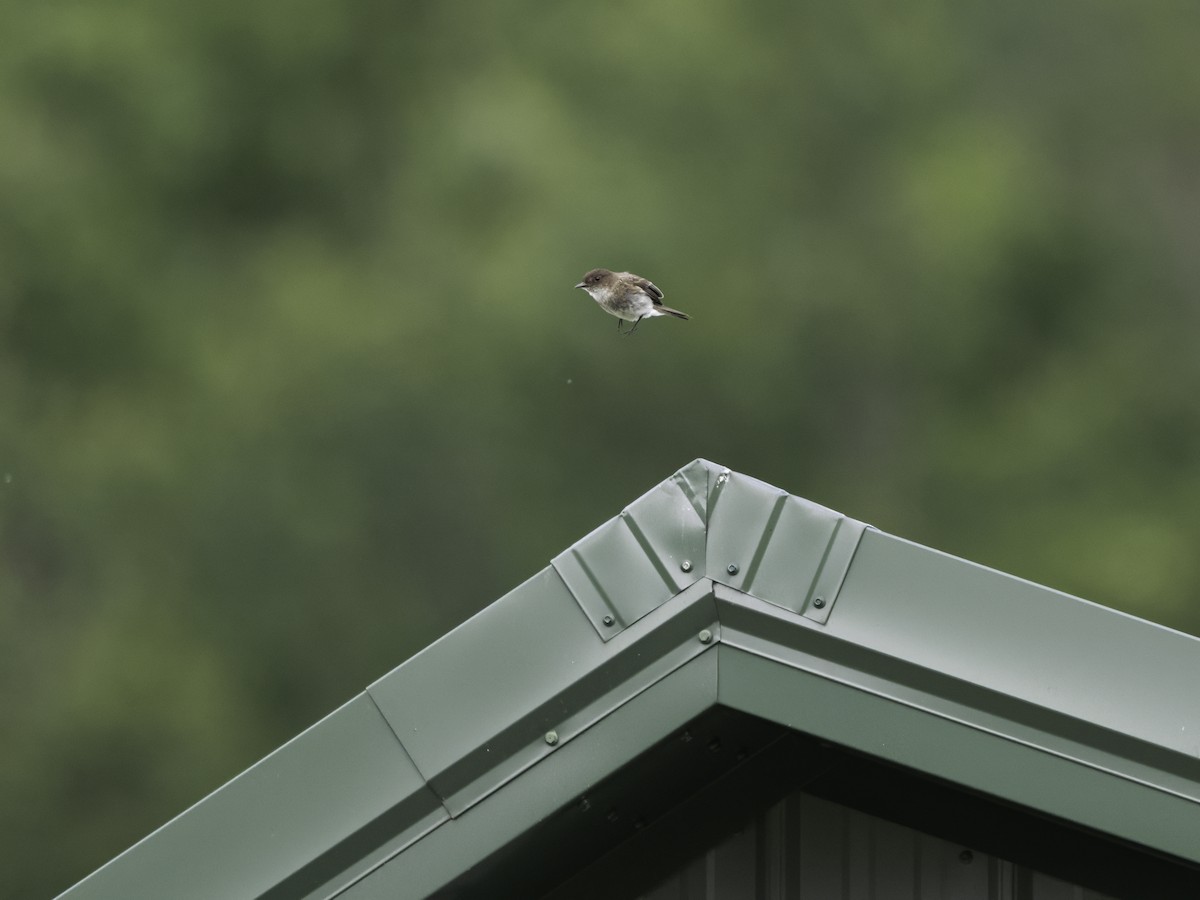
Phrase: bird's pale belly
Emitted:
{"points": [[630, 308]]}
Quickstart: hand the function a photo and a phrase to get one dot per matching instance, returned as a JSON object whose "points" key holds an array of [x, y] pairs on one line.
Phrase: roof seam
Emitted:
{"points": [[765, 538], [833, 568], [648, 548], [692, 498], [710, 502], [424, 778]]}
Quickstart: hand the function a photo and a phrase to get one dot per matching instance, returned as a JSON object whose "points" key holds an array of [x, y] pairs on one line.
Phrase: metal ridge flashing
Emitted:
{"points": [[783, 549], [707, 521], [652, 551]]}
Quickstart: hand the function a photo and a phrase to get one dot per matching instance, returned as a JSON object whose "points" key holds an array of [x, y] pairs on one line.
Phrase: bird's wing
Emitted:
{"points": [[650, 288]]}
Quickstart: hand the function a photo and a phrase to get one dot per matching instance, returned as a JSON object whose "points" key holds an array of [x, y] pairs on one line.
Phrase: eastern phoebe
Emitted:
{"points": [[626, 296]]}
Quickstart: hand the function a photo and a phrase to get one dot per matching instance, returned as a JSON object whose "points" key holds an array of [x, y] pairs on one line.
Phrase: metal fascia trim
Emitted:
{"points": [[958, 751], [758, 631]]}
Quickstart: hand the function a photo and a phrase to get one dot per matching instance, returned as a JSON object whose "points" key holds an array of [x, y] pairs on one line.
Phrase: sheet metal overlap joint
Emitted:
{"points": [[835, 564]]}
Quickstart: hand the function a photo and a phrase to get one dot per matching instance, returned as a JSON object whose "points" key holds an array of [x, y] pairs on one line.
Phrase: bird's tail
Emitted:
{"points": [[673, 312]]}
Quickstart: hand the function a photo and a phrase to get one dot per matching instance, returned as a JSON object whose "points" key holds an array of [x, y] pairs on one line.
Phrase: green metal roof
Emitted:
{"points": [[714, 591]]}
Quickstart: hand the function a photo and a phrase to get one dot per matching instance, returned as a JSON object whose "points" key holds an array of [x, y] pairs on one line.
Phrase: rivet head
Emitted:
{"points": [[686, 565], [819, 602], [705, 636], [732, 568], [608, 620], [551, 738]]}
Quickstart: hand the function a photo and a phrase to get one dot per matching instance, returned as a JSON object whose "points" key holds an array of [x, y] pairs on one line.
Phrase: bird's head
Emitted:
{"points": [[596, 281]]}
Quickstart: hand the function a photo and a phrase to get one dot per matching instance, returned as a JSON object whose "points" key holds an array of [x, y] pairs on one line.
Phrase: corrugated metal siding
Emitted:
{"points": [[805, 848]]}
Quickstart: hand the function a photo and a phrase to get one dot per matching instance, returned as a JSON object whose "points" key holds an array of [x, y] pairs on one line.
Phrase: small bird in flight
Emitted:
{"points": [[626, 296]]}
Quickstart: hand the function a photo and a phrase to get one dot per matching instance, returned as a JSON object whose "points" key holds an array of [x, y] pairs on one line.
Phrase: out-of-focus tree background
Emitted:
{"points": [[293, 378]]}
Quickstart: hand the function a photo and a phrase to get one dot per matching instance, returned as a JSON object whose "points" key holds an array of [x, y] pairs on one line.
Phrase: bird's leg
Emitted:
{"points": [[635, 325], [619, 326]]}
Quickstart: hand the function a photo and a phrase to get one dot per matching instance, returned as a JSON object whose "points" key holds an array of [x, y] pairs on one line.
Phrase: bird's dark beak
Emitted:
{"points": [[581, 284]]}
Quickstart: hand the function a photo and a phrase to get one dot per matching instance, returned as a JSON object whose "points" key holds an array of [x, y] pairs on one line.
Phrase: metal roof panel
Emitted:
{"points": [[1017, 638], [460, 695], [321, 794]]}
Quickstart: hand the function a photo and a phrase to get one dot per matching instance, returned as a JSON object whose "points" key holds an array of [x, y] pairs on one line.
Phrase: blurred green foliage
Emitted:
{"points": [[293, 379]]}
